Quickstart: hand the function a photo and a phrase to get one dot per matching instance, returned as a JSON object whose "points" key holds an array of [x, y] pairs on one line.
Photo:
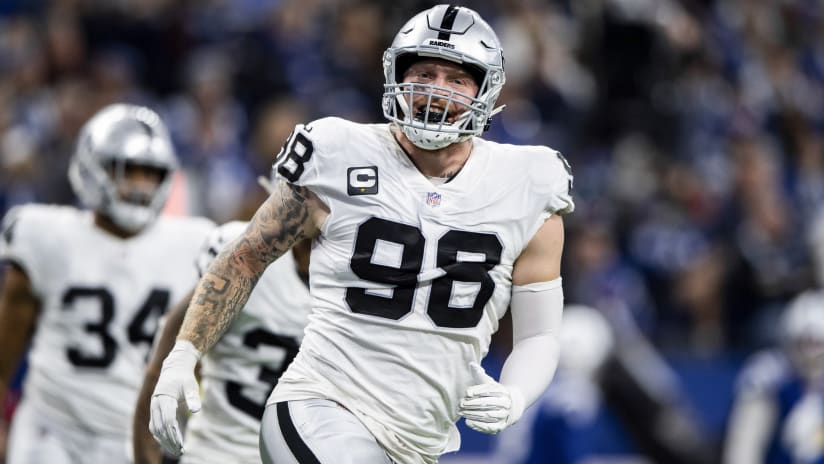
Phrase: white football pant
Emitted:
{"points": [[316, 431], [34, 439]]}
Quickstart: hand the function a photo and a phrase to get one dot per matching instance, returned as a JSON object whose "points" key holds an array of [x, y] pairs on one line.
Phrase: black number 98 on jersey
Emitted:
{"points": [[295, 153], [485, 248]]}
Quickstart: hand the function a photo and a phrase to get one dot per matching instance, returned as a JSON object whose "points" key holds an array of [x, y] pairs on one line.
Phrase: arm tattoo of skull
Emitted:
{"points": [[281, 221]]}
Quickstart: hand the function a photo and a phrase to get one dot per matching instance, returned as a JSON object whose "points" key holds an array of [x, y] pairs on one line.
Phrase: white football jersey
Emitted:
{"points": [[409, 279], [100, 301], [239, 372]]}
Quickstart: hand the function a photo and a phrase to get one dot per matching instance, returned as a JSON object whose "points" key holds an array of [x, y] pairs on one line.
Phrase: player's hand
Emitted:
{"points": [[176, 384], [489, 406]]}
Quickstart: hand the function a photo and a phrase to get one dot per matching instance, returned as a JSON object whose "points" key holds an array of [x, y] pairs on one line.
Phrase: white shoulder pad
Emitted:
{"points": [[305, 154], [552, 178], [29, 232], [317, 155], [190, 227], [763, 372], [216, 241]]}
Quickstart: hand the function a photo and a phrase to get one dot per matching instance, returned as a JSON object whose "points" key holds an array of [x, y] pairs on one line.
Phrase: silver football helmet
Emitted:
{"points": [[118, 135], [803, 333], [452, 33], [587, 339]]}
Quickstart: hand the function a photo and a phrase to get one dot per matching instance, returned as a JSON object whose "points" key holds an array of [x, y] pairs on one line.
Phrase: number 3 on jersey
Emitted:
{"points": [[268, 375], [465, 258], [138, 331]]}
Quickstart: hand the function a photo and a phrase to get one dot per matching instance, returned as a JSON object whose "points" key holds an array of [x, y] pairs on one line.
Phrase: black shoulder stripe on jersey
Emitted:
{"points": [[447, 22], [568, 170], [567, 166], [8, 233], [297, 446]]}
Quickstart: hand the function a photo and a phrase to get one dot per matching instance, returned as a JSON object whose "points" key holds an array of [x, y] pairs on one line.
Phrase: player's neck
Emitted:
{"points": [[445, 162], [104, 222]]}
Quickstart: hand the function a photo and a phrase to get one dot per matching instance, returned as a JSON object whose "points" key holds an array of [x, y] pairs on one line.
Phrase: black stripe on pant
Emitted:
{"points": [[296, 444]]}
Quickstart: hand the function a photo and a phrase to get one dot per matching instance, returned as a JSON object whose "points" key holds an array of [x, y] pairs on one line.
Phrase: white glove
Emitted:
{"points": [[176, 383], [489, 406]]}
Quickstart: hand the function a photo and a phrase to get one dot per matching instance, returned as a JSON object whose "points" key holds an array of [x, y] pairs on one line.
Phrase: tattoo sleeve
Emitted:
{"points": [[284, 219]]}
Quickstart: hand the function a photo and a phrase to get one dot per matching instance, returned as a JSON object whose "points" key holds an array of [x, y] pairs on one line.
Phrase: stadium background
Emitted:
{"points": [[694, 128]]}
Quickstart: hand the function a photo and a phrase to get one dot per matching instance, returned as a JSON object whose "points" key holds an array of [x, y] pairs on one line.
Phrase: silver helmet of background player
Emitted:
{"points": [[118, 135], [452, 33]]}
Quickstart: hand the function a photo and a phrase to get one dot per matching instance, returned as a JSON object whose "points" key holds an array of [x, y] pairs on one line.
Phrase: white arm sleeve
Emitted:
{"points": [[536, 328], [749, 431]]}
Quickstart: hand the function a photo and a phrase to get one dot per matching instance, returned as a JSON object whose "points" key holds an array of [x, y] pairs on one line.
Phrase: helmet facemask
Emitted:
{"points": [[474, 46], [807, 354], [118, 139]]}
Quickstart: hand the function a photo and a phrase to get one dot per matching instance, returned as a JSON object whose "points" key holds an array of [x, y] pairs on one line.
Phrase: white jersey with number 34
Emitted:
{"points": [[409, 279], [239, 372], [100, 301]]}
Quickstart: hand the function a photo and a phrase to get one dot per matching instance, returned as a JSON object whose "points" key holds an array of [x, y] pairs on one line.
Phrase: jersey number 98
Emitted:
{"points": [[465, 258]]}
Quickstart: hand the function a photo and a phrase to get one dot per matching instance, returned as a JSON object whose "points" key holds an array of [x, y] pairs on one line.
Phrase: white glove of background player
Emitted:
{"points": [[176, 383], [489, 406]]}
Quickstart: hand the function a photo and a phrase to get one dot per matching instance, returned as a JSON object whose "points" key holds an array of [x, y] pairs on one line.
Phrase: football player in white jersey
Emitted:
{"points": [[778, 412], [240, 371], [423, 235], [87, 287]]}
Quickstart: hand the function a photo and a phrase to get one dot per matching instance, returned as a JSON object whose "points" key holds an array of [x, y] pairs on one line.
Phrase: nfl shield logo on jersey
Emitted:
{"points": [[433, 198]]}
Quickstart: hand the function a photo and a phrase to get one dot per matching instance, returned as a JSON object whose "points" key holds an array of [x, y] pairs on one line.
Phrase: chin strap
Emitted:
{"points": [[493, 113]]}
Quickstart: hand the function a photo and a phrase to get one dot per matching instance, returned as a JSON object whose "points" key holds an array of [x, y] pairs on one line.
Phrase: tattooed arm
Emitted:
{"points": [[290, 214]]}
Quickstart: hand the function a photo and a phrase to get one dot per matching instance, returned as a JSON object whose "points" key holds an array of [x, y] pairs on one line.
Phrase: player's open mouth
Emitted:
{"points": [[137, 198], [434, 116]]}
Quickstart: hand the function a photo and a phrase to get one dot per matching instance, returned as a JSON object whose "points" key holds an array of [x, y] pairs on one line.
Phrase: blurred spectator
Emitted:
{"points": [[275, 122], [699, 299], [770, 261], [209, 125]]}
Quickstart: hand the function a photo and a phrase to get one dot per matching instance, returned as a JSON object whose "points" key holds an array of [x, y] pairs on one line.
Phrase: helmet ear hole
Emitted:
{"points": [[403, 63]]}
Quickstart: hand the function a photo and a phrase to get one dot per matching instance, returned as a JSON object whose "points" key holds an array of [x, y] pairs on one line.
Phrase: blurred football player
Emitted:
{"points": [[87, 287], [424, 234], [778, 414], [571, 423], [240, 371]]}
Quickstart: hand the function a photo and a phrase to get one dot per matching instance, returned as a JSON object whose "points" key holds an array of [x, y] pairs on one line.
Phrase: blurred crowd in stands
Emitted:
{"points": [[695, 128]]}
